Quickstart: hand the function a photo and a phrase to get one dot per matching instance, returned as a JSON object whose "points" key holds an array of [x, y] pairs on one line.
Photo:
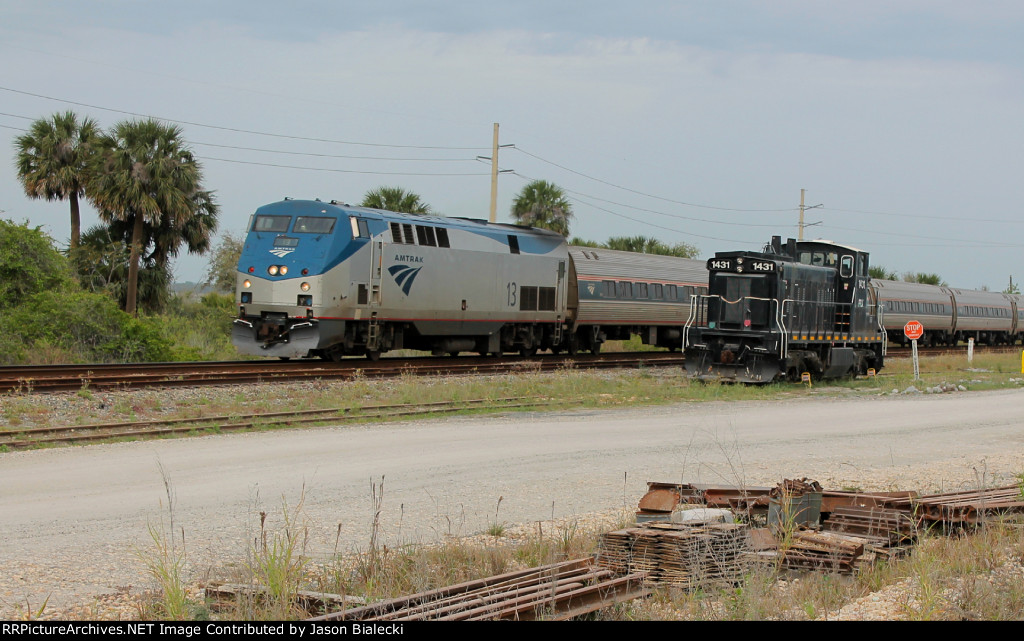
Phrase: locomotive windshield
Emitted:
{"points": [[819, 258], [314, 225], [277, 224], [733, 287], [743, 299]]}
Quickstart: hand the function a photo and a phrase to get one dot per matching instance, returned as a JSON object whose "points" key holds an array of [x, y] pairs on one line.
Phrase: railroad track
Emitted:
{"points": [[12, 439], [960, 350], [63, 378], [105, 376]]}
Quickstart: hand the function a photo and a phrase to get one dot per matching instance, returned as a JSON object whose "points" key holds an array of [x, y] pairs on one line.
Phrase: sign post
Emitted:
{"points": [[914, 330]]}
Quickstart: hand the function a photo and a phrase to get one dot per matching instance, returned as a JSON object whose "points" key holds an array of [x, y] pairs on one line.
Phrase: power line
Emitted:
{"points": [[662, 213], [304, 153], [925, 216], [238, 130], [641, 193], [341, 171], [291, 153], [638, 220], [957, 241]]}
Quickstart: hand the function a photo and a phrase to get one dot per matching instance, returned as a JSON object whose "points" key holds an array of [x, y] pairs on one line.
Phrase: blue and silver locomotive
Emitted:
{"points": [[327, 279]]}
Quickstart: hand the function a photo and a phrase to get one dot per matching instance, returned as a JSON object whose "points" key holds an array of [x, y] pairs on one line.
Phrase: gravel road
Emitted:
{"points": [[75, 518]]}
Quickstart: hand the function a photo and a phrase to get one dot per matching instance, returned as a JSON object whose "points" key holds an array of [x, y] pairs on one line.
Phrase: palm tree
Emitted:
{"points": [[53, 159], [395, 199], [543, 204], [145, 176], [648, 245], [102, 262]]}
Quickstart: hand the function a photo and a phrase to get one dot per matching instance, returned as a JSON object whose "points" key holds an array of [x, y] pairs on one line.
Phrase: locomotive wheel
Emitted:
{"points": [[595, 349], [453, 353], [793, 373], [528, 352], [572, 346], [333, 354], [373, 354]]}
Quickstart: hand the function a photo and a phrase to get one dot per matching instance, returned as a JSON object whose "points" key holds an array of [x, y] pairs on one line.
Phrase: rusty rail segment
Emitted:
{"points": [[883, 527], [967, 506], [555, 591], [681, 555]]}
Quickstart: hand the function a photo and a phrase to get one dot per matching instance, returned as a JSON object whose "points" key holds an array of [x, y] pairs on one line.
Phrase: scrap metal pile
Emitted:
{"points": [[698, 536]]}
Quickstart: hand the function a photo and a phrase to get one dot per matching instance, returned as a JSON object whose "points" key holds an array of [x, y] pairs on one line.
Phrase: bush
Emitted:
{"points": [[200, 330], [88, 327], [29, 264]]}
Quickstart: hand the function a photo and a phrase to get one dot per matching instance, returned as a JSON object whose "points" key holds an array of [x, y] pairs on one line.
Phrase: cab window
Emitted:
{"points": [[277, 224], [313, 225], [846, 267]]}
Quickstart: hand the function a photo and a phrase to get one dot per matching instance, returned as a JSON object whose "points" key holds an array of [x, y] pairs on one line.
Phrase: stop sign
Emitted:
{"points": [[913, 330]]}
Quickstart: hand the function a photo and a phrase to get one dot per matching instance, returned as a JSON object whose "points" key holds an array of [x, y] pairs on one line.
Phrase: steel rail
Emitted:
{"points": [[49, 378], [34, 437]]}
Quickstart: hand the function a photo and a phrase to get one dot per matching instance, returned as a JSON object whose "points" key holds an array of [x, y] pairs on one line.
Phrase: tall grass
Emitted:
{"points": [[166, 561]]}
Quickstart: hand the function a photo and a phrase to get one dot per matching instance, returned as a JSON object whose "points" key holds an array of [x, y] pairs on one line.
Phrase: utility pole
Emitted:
{"points": [[494, 173], [494, 176], [801, 214]]}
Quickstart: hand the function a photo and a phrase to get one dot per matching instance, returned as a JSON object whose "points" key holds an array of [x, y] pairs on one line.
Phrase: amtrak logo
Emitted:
{"points": [[404, 275], [281, 253], [590, 288]]}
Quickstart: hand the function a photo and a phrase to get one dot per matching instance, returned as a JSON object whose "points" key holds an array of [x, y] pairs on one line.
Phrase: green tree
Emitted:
{"points": [[881, 273], [145, 175], [224, 264], [580, 242], [53, 161], [647, 245], [543, 204], [29, 264], [102, 264], [395, 199], [924, 279]]}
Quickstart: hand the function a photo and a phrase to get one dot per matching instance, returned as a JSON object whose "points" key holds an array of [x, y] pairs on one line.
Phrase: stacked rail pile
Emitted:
{"points": [[883, 530], [828, 551], [968, 506], [556, 591], [680, 555], [663, 498]]}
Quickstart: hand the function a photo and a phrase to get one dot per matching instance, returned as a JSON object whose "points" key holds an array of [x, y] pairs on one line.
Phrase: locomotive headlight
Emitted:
{"points": [[739, 260], [304, 287], [284, 270], [272, 270], [247, 284]]}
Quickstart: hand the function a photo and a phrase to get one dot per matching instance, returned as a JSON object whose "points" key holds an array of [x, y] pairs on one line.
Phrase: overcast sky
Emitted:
{"points": [[694, 122]]}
